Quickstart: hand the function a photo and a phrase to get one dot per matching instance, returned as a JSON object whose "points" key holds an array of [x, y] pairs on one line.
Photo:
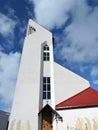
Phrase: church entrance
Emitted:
{"points": [[47, 116], [47, 120]]}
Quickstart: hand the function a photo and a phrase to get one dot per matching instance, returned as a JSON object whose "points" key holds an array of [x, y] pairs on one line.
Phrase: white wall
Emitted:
{"points": [[26, 102], [79, 119], [67, 83], [27, 98]]}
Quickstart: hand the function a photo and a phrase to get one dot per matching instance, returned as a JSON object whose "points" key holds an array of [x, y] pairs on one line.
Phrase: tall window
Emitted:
{"points": [[46, 54], [46, 48], [46, 88]]}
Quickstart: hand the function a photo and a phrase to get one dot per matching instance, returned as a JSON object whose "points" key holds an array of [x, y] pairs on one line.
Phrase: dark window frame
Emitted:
{"points": [[46, 88], [46, 56], [46, 53], [46, 47]]}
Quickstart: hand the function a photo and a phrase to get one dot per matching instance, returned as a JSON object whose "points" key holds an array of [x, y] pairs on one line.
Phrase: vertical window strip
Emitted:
{"points": [[46, 54], [46, 88], [46, 48]]}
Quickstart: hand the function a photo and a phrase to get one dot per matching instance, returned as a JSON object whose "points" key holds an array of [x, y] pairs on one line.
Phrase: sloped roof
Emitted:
{"points": [[4, 113], [86, 98]]}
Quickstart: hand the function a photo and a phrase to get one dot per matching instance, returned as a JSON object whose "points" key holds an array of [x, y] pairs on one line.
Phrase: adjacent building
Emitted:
{"points": [[49, 96], [4, 120]]}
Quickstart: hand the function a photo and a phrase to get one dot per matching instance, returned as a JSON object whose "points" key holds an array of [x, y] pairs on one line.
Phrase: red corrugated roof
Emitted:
{"points": [[86, 98]]}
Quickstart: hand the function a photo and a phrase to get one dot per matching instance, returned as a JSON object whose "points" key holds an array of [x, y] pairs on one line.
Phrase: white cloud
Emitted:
{"points": [[80, 38], [82, 35], [52, 14], [7, 25], [96, 83], [79, 42], [94, 74], [9, 64], [1, 48], [94, 71]]}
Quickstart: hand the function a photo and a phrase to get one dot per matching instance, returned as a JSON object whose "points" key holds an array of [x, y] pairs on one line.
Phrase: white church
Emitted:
{"points": [[47, 95]]}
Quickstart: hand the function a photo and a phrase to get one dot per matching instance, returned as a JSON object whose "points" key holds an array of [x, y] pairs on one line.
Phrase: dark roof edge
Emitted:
{"points": [[76, 107], [4, 112]]}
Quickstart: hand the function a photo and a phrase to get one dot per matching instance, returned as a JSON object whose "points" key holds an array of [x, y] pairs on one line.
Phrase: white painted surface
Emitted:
{"points": [[46, 71], [67, 83], [26, 101], [28, 94], [79, 119]]}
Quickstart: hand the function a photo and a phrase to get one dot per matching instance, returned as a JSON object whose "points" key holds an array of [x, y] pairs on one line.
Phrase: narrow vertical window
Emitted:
{"points": [[46, 88], [46, 54], [46, 48]]}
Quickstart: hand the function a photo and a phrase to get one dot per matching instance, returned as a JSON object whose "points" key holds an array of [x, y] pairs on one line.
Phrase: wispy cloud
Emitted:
{"points": [[82, 35], [7, 25], [9, 64], [52, 14], [80, 40], [94, 74]]}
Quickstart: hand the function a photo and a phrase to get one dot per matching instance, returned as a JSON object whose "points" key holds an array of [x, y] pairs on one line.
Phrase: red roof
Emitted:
{"points": [[86, 98]]}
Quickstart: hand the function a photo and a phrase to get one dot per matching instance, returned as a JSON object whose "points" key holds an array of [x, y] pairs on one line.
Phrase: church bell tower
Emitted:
{"points": [[33, 105]]}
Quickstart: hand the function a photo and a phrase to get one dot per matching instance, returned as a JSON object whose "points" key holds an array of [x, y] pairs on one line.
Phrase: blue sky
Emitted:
{"points": [[74, 24]]}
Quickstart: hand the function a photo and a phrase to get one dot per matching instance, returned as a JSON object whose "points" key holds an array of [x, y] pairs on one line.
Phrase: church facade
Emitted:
{"points": [[47, 94]]}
